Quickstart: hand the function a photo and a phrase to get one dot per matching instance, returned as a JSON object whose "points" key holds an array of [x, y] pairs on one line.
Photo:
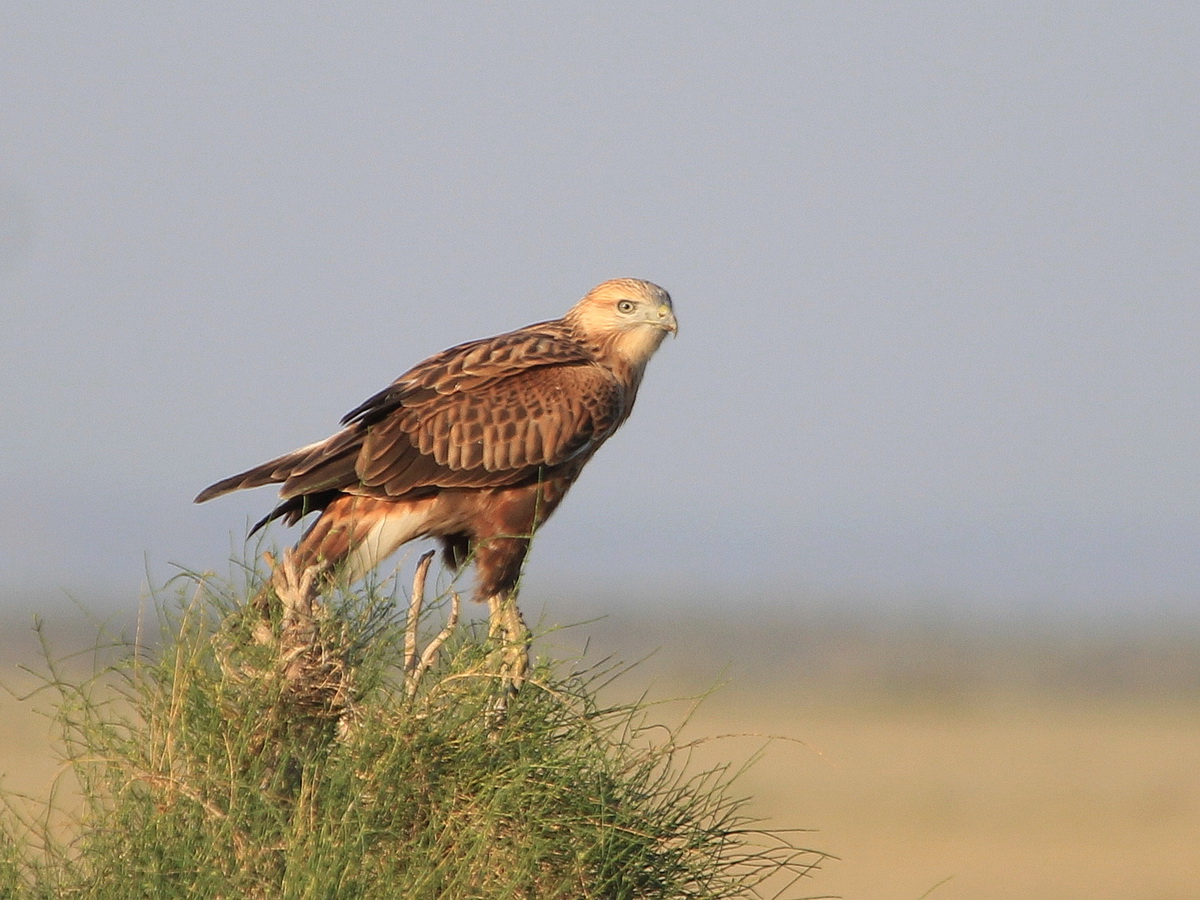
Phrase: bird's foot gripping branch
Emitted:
{"points": [[307, 651]]}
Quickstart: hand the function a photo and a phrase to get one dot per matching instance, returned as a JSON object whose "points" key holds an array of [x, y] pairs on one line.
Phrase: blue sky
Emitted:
{"points": [[935, 267]]}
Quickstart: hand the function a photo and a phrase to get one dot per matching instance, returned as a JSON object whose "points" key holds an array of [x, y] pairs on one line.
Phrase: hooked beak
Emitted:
{"points": [[666, 320]]}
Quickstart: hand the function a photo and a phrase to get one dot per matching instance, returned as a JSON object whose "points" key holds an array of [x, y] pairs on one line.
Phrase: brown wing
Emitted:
{"points": [[494, 433], [487, 413]]}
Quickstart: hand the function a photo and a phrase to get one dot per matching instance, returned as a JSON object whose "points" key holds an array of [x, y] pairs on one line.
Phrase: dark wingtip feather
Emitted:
{"points": [[296, 508], [376, 406], [261, 523]]}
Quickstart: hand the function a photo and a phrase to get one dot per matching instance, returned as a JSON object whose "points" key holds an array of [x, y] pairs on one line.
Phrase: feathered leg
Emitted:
{"points": [[507, 627], [498, 567]]}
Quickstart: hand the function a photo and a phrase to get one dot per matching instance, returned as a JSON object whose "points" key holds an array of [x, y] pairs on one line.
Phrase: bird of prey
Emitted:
{"points": [[476, 446]]}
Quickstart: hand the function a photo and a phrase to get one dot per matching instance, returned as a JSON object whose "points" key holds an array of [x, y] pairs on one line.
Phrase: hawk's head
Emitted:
{"points": [[628, 317]]}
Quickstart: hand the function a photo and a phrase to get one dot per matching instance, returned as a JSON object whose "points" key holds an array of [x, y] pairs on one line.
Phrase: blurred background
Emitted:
{"points": [[919, 475]]}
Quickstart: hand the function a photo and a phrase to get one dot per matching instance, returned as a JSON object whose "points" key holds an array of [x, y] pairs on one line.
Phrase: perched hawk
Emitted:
{"points": [[475, 446]]}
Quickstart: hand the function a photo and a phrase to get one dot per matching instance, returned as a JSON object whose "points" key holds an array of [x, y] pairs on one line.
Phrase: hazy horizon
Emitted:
{"points": [[935, 269]]}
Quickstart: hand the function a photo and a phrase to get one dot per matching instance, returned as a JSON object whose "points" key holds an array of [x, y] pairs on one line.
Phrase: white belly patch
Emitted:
{"points": [[385, 538]]}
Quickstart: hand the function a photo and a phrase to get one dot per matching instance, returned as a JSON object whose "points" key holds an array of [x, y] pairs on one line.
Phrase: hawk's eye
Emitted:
{"points": [[625, 306]]}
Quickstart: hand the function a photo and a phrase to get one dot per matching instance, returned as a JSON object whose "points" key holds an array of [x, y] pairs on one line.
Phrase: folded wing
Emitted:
{"points": [[488, 413]]}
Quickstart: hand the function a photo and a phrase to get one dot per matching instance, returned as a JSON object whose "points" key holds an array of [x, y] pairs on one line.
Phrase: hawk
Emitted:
{"points": [[476, 447]]}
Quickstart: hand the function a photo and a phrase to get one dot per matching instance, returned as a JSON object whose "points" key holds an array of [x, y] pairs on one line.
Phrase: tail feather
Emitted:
{"points": [[274, 472], [252, 478], [325, 465]]}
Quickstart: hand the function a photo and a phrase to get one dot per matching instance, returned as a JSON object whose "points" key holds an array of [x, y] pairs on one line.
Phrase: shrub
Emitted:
{"points": [[237, 756]]}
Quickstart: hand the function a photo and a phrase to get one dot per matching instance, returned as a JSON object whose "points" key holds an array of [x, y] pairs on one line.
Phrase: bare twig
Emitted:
{"points": [[435, 645], [415, 602], [417, 662]]}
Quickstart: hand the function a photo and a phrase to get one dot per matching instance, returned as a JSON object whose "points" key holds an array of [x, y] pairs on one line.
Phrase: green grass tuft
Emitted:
{"points": [[220, 761]]}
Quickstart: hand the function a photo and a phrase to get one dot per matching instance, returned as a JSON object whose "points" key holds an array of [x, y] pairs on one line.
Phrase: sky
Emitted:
{"points": [[935, 267]]}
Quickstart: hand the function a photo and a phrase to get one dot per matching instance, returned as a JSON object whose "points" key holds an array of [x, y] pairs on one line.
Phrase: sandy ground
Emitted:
{"points": [[1016, 796]]}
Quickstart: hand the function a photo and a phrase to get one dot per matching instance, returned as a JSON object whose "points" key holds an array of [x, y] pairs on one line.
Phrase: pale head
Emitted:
{"points": [[630, 317]]}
